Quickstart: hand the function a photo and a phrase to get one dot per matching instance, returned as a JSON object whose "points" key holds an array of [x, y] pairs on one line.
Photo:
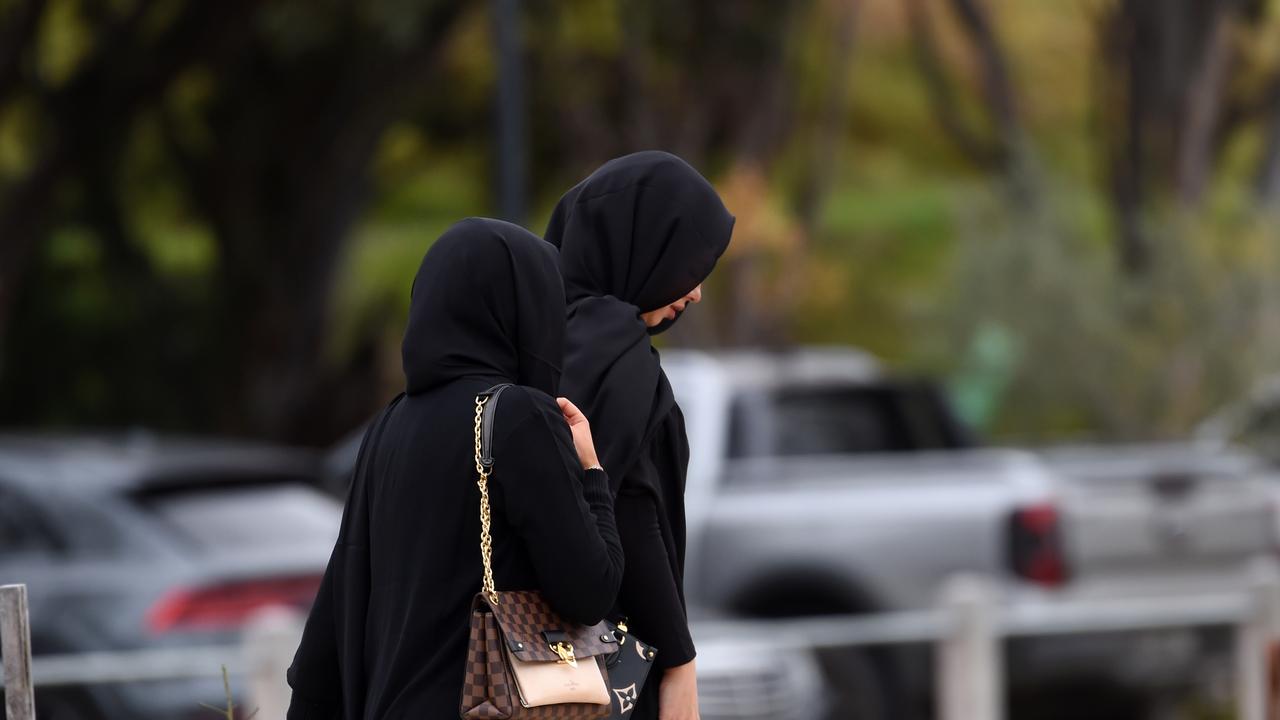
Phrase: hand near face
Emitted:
{"points": [[581, 430]]}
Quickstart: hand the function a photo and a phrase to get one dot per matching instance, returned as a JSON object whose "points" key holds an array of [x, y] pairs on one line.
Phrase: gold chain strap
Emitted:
{"points": [[486, 541]]}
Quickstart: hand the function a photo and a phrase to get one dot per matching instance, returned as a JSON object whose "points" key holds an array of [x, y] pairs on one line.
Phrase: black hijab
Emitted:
{"points": [[472, 314], [638, 234], [487, 307]]}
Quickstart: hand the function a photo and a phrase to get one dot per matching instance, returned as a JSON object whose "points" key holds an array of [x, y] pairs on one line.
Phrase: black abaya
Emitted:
{"points": [[635, 236], [387, 635]]}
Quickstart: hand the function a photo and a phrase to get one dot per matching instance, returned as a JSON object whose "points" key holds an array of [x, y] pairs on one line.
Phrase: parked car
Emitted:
{"points": [[134, 542], [1151, 521], [746, 678], [819, 484]]}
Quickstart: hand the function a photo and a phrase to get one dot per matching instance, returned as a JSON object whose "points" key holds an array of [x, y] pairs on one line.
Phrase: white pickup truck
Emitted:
{"points": [[818, 484]]}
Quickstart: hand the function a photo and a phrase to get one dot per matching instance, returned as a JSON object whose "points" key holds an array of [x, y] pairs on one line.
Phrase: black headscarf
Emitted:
{"points": [[472, 314], [638, 234], [387, 635]]}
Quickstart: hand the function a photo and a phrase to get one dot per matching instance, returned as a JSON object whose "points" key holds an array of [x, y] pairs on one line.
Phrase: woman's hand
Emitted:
{"points": [[581, 430], [678, 694]]}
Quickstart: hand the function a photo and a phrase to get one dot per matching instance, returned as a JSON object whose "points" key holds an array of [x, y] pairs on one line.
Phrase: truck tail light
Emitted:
{"points": [[1036, 551]]}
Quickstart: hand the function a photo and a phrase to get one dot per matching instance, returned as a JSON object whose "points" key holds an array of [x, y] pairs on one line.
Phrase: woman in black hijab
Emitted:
{"points": [[387, 635], [636, 239]]}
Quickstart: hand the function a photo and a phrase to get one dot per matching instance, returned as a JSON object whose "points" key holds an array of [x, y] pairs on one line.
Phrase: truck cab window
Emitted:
{"points": [[877, 418]]}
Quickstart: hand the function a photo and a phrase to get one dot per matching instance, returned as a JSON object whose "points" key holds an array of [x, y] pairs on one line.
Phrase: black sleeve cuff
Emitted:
{"points": [[595, 487], [680, 655]]}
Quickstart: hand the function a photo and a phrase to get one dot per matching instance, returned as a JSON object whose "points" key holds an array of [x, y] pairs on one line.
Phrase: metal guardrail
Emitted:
{"points": [[927, 626], [1124, 615], [835, 631], [969, 625], [967, 628], [137, 666]]}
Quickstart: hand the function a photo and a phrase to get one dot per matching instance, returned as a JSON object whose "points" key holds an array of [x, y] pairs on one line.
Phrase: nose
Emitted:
{"points": [[696, 295]]}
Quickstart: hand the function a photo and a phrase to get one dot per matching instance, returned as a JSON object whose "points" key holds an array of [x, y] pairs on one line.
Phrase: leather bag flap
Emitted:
{"points": [[526, 620]]}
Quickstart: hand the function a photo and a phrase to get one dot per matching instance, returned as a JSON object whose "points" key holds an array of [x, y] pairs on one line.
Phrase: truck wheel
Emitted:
{"points": [[860, 686], [1069, 699], [65, 705]]}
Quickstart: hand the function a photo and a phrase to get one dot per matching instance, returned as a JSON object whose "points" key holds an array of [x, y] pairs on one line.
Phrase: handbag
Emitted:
{"points": [[628, 669], [523, 660]]}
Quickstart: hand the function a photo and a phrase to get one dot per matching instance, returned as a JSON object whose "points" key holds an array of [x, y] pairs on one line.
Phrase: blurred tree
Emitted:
{"points": [[293, 124], [210, 212], [741, 89], [1003, 147], [83, 106], [269, 115], [1167, 105]]}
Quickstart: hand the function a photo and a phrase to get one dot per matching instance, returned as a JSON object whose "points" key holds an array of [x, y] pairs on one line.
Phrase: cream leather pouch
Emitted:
{"points": [[550, 683]]}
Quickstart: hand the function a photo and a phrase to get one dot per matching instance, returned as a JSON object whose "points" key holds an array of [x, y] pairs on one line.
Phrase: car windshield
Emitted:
{"points": [[855, 420], [235, 517]]}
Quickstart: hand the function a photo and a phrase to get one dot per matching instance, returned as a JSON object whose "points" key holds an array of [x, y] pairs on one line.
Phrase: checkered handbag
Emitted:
{"points": [[525, 662]]}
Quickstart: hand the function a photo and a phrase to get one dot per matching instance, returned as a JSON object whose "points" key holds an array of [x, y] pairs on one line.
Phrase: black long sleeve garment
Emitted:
{"points": [[386, 638], [652, 527], [387, 635], [638, 235]]}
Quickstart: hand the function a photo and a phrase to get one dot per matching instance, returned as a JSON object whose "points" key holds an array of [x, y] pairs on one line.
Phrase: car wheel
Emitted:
{"points": [[861, 686], [65, 705], [1070, 699]]}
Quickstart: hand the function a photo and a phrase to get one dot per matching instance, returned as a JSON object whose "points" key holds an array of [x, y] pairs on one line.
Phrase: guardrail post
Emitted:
{"points": [[970, 665], [15, 646], [1255, 641], [270, 640]]}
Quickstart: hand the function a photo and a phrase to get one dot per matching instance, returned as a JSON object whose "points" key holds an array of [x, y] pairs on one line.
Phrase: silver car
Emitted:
{"points": [[133, 542]]}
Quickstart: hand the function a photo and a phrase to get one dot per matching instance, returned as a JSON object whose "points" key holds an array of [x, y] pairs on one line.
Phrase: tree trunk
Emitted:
{"points": [[1003, 146], [1163, 77], [1267, 182], [1204, 105], [282, 215]]}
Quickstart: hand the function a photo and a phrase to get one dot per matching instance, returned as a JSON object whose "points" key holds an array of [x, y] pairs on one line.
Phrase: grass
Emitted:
{"points": [[228, 711]]}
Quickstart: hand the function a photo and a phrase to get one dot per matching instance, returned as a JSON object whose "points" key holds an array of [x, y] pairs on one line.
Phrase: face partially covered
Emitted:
{"points": [[641, 229], [668, 313]]}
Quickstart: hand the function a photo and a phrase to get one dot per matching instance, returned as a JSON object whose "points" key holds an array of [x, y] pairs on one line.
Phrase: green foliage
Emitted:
{"points": [[425, 193], [17, 125], [1108, 355], [889, 238], [910, 248], [65, 40]]}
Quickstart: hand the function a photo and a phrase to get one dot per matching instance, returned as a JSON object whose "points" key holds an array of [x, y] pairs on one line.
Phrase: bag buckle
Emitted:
{"points": [[565, 651]]}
